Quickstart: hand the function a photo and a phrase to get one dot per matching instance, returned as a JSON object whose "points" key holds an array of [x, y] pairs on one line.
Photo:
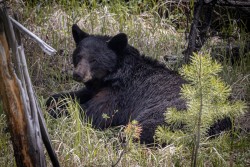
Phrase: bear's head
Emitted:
{"points": [[96, 56]]}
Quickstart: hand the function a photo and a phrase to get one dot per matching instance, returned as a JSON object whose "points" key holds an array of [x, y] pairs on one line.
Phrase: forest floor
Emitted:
{"points": [[162, 38]]}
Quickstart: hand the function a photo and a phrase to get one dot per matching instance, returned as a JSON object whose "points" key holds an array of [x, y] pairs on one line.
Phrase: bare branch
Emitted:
{"points": [[45, 47]]}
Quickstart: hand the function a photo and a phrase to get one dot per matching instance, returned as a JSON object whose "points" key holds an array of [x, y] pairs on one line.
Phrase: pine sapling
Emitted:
{"points": [[207, 102]]}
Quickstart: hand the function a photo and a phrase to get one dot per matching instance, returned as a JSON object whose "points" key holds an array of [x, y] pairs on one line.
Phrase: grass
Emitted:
{"points": [[75, 142], [53, 23]]}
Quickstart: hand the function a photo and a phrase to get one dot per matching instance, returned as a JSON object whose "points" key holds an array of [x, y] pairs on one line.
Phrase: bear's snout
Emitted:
{"points": [[79, 77], [82, 72]]}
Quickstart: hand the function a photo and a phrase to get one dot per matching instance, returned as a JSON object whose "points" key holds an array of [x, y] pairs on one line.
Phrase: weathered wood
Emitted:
{"points": [[35, 109], [24, 116], [32, 131], [15, 110], [45, 47], [202, 21], [240, 3], [26, 79]]}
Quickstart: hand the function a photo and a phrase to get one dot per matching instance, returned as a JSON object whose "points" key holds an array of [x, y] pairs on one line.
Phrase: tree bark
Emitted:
{"points": [[13, 105], [18, 104]]}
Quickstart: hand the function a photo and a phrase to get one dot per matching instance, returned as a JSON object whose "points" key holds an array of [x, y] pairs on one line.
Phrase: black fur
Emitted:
{"points": [[124, 84]]}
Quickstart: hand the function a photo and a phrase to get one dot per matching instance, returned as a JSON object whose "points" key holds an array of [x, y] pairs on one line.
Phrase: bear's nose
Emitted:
{"points": [[77, 77]]}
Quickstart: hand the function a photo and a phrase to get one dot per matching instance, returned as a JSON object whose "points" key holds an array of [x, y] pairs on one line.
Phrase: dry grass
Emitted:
{"points": [[75, 142]]}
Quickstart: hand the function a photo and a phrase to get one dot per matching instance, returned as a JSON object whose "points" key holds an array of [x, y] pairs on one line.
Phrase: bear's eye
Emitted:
{"points": [[92, 61]]}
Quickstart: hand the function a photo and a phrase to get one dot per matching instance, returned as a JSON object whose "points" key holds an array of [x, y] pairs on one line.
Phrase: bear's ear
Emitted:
{"points": [[78, 34], [118, 43]]}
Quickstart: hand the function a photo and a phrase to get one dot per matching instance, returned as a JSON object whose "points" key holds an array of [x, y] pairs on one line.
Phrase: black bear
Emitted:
{"points": [[122, 83]]}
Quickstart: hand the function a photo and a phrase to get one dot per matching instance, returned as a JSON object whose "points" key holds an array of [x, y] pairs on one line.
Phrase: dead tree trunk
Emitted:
{"points": [[202, 20], [199, 27], [24, 117], [26, 137]]}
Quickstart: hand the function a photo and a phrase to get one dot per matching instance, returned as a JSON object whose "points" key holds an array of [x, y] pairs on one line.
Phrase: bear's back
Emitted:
{"points": [[151, 92]]}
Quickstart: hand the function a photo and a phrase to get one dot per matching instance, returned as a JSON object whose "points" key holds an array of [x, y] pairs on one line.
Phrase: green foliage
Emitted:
{"points": [[6, 150], [207, 101], [150, 26]]}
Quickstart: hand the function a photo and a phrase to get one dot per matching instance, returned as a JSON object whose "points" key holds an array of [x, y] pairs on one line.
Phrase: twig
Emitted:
{"points": [[45, 47], [120, 157]]}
